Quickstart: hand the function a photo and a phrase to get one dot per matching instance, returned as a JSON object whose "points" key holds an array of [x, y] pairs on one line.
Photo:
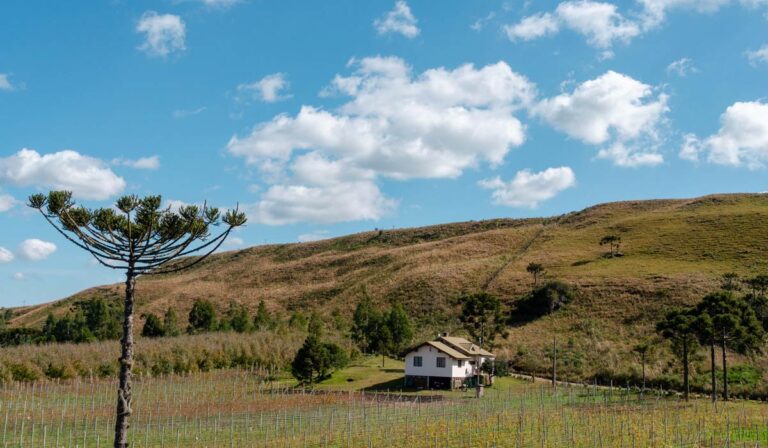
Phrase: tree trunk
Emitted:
{"points": [[642, 360], [714, 374], [382, 360], [686, 373], [126, 366], [725, 373], [554, 363]]}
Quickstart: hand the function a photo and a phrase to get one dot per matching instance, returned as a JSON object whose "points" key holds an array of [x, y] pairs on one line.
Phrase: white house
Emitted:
{"points": [[445, 363]]}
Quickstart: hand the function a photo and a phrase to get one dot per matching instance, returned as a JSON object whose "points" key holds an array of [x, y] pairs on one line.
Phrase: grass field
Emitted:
{"points": [[237, 409]]}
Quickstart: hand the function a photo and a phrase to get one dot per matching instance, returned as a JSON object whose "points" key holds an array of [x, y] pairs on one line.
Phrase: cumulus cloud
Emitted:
{"points": [[533, 27], [6, 256], [7, 202], [234, 241], [5, 82], [36, 250], [395, 125], [528, 189], [682, 67], [163, 33], [400, 20], [600, 23], [741, 141], [759, 56], [142, 163], [85, 177], [614, 110], [268, 89]]}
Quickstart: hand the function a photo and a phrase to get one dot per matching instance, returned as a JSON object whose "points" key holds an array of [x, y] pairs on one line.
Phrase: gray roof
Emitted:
{"points": [[465, 346]]}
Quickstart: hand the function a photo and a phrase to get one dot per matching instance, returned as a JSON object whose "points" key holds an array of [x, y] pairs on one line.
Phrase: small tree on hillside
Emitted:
{"points": [[239, 320], [138, 238], [316, 360], [758, 285], [679, 327], [153, 327], [536, 270], [613, 242], [202, 317], [643, 351], [400, 328], [171, 323], [262, 320], [361, 322], [481, 316], [380, 336]]}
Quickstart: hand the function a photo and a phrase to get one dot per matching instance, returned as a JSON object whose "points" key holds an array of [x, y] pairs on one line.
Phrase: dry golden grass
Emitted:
{"points": [[675, 251]]}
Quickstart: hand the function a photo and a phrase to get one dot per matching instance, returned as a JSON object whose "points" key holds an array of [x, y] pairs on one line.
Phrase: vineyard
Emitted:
{"points": [[237, 408]]}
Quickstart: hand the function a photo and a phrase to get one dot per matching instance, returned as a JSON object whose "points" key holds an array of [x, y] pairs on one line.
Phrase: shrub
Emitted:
{"points": [[153, 328], [202, 317], [25, 372], [542, 301]]}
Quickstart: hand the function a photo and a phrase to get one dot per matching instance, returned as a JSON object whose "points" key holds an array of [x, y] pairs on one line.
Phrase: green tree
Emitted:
{"points": [[153, 327], [262, 320], [400, 328], [171, 323], [237, 316], [315, 325], [138, 238], [613, 242], [380, 336], [643, 351], [729, 322], [758, 285], [536, 270], [101, 318], [680, 328], [361, 321], [202, 317], [298, 321], [316, 360], [481, 316]]}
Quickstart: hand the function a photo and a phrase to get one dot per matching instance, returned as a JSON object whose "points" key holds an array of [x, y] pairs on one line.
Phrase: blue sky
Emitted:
{"points": [[327, 118]]}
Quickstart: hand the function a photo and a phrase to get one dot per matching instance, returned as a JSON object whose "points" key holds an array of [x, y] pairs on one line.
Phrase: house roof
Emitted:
{"points": [[465, 346], [457, 348]]}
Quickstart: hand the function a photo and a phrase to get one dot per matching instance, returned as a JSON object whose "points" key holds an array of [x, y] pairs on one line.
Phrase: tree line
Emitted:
{"points": [[733, 319]]}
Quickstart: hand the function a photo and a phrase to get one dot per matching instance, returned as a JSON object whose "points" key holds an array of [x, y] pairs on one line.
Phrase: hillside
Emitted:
{"points": [[675, 250]]}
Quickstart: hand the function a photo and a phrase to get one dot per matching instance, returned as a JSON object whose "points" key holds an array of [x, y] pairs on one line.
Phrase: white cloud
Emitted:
{"points": [[759, 56], [529, 189], [317, 235], [400, 20], [613, 109], [395, 125], [741, 141], [479, 24], [183, 113], [234, 241], [533, 27], [19, 276], [142, 163], [7, 202], [85, 177], [682, 67], [5, 83], [268, 89], [655, 11], [164, 33], [6, 256], [599, 22], [36, 250], [350, 201]]}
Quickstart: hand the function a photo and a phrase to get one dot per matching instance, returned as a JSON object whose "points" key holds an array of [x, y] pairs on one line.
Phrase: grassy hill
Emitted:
{"points": [[675, 250]]}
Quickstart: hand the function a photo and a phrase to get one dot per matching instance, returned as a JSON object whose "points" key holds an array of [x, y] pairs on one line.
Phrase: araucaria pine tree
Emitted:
{"points": [[139, 238]]}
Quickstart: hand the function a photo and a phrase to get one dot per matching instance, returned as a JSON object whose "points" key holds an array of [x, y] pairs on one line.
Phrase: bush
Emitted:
{"points": [[542, 301], [202, 317], [25, 372], [59, 371], [153, 328]]}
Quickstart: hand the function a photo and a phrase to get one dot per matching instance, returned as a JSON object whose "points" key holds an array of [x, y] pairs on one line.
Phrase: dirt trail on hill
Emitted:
{"points": [[522, 250]]}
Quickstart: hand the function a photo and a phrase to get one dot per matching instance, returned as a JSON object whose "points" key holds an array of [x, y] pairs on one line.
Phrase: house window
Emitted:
{"points": [[417, 361], [440, 362], [461, 363]]}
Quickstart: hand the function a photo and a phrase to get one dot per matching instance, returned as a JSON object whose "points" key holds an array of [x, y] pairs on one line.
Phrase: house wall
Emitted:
{"points": [[429, 367]]}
